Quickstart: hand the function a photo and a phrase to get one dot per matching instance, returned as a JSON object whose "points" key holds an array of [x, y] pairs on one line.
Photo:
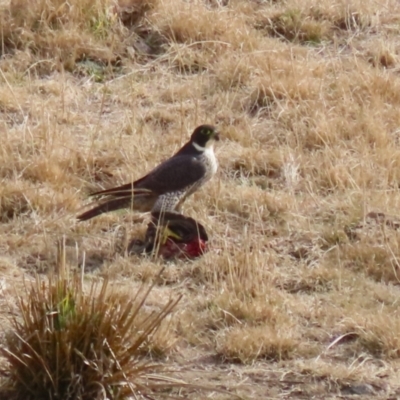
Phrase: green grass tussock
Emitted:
{"points": [[76, 343]]}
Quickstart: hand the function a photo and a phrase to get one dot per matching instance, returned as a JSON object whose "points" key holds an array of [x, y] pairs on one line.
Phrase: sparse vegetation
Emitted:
{"points": [[301, 282]]}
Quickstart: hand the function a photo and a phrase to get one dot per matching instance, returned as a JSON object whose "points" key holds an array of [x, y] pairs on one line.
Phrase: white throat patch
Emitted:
{"points": [[198, 147]]}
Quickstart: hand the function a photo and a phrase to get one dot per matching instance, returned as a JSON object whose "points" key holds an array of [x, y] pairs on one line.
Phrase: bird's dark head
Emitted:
{"points": [[204, 135]]}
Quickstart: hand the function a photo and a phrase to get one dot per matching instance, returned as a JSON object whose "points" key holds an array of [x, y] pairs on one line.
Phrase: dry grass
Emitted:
{"points": [[75, 344], [298, 295]]}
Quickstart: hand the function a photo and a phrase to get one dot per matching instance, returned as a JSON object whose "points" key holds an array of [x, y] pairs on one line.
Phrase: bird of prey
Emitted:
{"points": [[172, 235], [168, 185]]}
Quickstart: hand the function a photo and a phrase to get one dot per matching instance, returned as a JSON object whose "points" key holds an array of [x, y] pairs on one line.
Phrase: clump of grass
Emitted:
{"points": [[67, 32], [75, 344], [13, 203], [247, 344], [233, 309], [376, 334], [293, 25], [380, 337], [376, 260], [350, 20], [381, 56]]}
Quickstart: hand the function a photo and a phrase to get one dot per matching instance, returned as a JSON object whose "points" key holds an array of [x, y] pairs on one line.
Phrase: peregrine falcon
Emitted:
{"points": [[167, 186]]}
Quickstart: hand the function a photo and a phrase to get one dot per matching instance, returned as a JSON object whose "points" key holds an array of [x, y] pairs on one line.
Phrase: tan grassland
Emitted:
{"points": [[298, 296]]}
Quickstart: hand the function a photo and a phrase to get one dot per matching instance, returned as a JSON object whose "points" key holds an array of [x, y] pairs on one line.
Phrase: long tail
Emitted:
{"points": [[106, 206], [117, 198], [121, 191]]}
